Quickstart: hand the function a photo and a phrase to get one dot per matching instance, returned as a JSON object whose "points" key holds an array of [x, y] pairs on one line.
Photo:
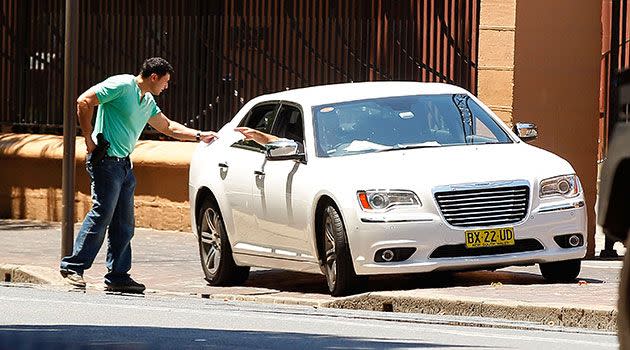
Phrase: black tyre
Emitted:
{"points": [[340, 275], [561, 271], [215, 251]]}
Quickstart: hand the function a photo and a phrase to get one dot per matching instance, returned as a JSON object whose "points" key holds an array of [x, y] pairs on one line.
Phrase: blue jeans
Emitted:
{"points": [[112, 184]]}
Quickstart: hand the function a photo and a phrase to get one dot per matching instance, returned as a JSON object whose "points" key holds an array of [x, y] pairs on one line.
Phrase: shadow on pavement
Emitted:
{"points": [[288, 281], [614, 258], [16, 225], [122, 337]]}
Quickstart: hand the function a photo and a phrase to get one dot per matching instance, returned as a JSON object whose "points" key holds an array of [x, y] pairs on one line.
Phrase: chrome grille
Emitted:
{"points": [[484, 207]]}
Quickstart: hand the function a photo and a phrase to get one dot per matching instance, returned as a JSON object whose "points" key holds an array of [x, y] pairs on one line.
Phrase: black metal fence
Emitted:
{"points": [[615, 58], [227, 52]]}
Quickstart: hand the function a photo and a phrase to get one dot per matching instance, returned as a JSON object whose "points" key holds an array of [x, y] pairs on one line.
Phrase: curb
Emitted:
{"points": [[30, 274], [602, 319], [267, 299], [544, 314]]}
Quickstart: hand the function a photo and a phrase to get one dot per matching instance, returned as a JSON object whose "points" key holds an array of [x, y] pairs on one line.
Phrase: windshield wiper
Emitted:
{"points": [[484, 143], [488, 143], [413, 146]]}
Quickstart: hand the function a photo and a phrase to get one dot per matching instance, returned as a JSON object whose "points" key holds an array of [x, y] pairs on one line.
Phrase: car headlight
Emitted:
{"points": [[380, 200], [566, 186]]}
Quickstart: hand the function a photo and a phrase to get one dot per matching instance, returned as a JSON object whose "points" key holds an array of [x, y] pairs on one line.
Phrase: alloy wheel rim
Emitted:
{"points": [[211, 240], [330, 257]]}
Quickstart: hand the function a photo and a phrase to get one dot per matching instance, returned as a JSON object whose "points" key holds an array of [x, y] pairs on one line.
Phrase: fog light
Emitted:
{"points": [[387, 255], [393, 254], [574, 240], [571, 240]]}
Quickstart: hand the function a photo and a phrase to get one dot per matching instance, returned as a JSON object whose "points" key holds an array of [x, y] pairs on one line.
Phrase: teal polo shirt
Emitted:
{"points": [[122, 114]]}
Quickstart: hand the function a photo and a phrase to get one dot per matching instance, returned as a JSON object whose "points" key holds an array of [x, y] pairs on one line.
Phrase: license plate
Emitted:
{"points": [[489, 237]]}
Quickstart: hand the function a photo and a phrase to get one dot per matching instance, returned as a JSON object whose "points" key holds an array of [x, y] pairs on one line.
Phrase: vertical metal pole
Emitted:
{"points": [[614, 66], [475, 82], [69, 123], [613, 98], [22, 51]]}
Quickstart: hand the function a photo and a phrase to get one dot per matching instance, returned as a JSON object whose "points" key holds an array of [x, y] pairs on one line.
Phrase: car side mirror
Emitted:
{"points": [[284, 150], [526, 131]]}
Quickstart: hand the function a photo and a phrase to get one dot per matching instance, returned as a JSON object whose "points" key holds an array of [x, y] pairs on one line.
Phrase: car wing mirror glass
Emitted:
{"points": [[526, 131], [283, 150]]}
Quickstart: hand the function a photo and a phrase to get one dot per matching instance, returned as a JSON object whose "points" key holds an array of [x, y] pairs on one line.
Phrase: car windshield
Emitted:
{"points": [[403, 122]]}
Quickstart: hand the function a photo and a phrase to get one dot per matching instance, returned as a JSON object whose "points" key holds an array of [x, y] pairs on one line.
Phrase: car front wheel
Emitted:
{"points": [[215, 252], [340, 275], [561, 271]]}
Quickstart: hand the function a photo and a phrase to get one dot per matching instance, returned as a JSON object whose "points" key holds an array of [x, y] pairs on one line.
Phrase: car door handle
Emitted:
{"points": [[223, 165], [259, 173]]}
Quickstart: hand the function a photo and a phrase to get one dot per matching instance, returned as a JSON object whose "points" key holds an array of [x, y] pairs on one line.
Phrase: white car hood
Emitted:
{"points": [[437, 166]]}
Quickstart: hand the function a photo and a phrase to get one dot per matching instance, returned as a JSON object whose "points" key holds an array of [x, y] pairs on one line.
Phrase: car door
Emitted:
{"points": [[280, 209], [238, 172]]}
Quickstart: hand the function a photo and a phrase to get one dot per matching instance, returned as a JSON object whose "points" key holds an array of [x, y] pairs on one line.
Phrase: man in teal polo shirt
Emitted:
{"points": [[125, 105]]}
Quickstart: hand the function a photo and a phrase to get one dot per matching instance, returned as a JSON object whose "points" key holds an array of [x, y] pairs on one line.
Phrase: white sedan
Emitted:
{"points": [[381, 178]]}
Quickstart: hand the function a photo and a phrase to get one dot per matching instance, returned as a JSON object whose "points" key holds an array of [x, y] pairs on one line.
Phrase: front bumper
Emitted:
{"points": [[426, 232]]}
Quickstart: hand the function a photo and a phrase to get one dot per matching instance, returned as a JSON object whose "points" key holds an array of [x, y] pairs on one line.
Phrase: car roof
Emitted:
{"points": [[334, 93]]}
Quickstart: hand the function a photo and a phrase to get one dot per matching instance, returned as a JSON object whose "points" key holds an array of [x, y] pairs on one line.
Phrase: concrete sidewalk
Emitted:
{"points": [[167, 262]]}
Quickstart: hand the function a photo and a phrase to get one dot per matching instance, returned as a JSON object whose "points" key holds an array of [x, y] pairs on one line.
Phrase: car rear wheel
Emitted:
{"points": [[561, 271], [340, 275], [215, 252]]}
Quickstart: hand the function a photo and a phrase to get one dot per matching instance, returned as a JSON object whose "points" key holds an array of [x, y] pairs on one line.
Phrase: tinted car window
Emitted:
{"points": [[403, 122], [259, 118], [289, 124]]}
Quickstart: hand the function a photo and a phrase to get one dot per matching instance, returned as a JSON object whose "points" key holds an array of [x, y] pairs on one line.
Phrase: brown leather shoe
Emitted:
{"points": [[73, 278]]}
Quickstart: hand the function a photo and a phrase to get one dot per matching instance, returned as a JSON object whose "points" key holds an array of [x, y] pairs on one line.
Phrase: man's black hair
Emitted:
{"points": [[156, 65]]}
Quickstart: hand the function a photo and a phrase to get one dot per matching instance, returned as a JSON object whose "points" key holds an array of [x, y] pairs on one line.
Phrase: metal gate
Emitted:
{"points": [[227, 52], [615, 58]]}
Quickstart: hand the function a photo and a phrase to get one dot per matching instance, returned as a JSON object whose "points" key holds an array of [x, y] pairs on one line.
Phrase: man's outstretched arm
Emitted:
{"points": [[256, 135], [178, 131]]}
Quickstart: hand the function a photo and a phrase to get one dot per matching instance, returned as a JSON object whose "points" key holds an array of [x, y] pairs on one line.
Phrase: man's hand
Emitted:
{"points": [[249, 133], [89, 144], [256, 135], [208, 136]]}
